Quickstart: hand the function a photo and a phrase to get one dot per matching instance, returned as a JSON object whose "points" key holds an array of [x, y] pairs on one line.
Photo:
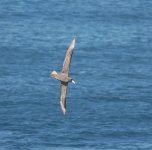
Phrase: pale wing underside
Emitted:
{"points": [[68, 56], [63, 96]]}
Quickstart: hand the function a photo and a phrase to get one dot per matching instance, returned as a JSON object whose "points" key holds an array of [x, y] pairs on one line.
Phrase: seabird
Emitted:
{"points": [[64, 76]]}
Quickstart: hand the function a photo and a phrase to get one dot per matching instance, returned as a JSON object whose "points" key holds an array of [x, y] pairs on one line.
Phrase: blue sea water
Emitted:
{"points": [[110, 107]]}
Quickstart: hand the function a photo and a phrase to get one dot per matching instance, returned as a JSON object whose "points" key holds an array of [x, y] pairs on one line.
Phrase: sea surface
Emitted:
{"points": [[109, 107]]}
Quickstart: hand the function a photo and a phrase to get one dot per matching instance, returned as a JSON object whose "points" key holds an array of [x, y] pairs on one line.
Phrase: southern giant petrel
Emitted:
{"points": [[64, 76]]}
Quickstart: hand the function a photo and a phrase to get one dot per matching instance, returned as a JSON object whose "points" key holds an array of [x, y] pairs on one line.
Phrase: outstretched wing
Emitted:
{"points": [[68, 56], [63, 96]]}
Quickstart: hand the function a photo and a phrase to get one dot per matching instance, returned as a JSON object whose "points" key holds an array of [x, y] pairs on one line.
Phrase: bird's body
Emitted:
{"points": [[61, 77], [64, 77]]}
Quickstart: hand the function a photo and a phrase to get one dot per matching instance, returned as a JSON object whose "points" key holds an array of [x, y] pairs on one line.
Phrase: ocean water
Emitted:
{"points": [[109, 107]]}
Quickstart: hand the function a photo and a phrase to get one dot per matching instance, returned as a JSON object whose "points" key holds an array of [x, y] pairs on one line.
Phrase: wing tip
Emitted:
{"points": [[72, 43], [62, 107]]}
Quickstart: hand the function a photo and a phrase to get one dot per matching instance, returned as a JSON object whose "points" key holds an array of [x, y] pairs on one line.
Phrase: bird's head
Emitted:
{"points": [[53, 73]]}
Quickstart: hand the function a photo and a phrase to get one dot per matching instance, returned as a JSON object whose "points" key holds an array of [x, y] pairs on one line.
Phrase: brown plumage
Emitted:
{"points": [[64, 77]]}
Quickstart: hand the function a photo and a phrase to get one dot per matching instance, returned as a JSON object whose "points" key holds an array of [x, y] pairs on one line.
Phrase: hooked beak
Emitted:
{"points": [[73, 81]]}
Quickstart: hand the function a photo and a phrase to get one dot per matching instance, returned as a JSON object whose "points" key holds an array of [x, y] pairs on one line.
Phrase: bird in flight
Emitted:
{"points": [[64, 76]]}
